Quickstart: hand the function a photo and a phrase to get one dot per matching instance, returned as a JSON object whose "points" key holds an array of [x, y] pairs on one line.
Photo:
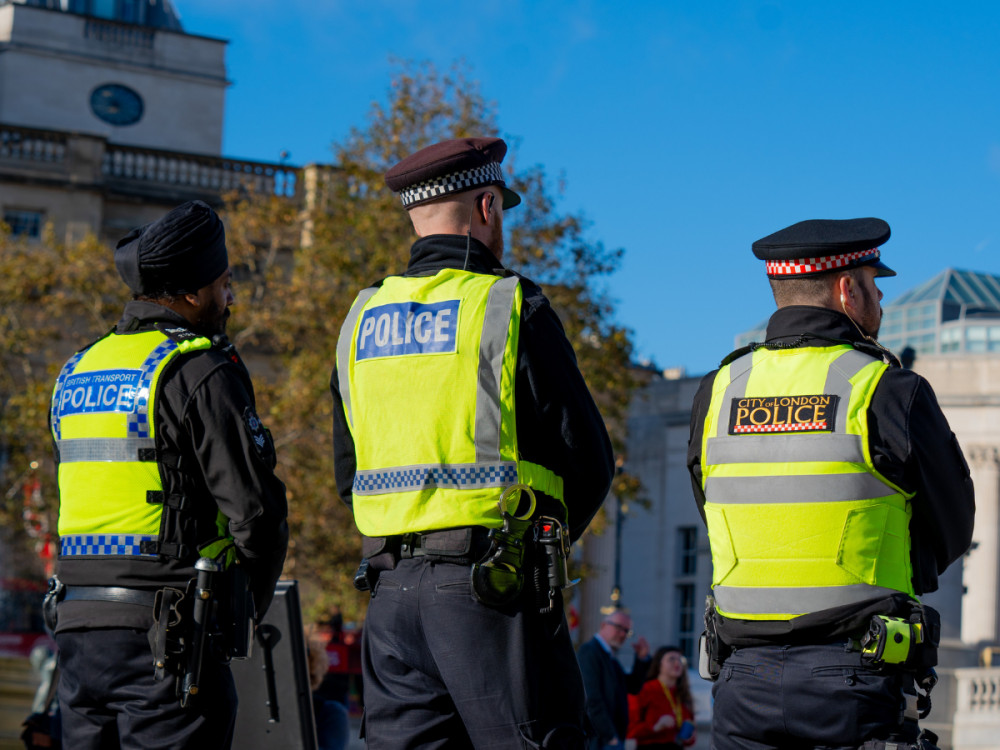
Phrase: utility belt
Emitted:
{"points": [[211, 617], [500, 558], [907, 642], [462, 546]]}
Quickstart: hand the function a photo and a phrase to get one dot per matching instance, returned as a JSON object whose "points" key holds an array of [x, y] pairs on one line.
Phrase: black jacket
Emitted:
{"points": [[608, 687], [558, 424], [911, 445], [205, 429]]}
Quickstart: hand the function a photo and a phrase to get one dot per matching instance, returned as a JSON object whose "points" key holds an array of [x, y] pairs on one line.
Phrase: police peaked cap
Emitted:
{"points": [[451, 167], [821, 245], [179, 253]]}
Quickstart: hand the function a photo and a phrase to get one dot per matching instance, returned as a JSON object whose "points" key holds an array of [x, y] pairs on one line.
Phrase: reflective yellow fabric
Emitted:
{"points": [[105, 399], [799, 521], [427, 369]]}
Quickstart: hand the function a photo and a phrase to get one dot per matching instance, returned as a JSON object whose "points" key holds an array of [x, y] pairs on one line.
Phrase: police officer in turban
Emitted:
{"points": [[466, 441], [162, 460], [835, 494]]}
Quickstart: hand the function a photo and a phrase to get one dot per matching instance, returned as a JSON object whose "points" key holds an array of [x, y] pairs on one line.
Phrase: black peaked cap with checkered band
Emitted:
{"points": [[451, 167], [821, 245]]}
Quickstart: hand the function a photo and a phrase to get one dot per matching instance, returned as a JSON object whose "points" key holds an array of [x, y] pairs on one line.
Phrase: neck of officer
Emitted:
{"points": [[452, 217]]}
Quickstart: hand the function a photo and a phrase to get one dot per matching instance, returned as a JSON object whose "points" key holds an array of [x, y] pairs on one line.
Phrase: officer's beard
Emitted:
{"points": [[496, 240], [213, 319]]}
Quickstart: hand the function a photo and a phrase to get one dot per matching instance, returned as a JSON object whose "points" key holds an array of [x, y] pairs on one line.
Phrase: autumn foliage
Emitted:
{"points": [[299, 264]]}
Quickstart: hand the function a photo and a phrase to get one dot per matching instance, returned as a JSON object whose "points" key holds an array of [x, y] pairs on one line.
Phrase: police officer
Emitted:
{"points": [[459, 409], [834, 493], [161, 459]]}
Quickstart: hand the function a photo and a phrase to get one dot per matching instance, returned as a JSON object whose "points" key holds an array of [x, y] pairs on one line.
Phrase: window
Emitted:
{"points": [[23, 223], [687, 547], [686, 635], [951, 339], [975, 338]]}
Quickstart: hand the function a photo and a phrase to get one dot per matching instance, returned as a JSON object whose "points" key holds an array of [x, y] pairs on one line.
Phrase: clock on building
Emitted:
{"points": [[116, 104]]}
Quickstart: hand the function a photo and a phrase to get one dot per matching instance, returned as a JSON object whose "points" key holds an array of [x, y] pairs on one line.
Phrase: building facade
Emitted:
{"points": [[664, 562], [110, 114]]}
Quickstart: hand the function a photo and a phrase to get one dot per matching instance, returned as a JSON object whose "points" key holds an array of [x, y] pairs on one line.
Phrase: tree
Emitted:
{"points": [[55, 298], [298, 268], [355, 232]]}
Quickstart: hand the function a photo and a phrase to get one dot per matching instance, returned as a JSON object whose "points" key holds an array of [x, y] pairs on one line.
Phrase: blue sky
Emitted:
{"points": [[684, 130]]}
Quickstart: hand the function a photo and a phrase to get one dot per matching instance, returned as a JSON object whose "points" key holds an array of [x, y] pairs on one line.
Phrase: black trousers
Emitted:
{"points": [[442, 670], [109, 699], [795, 697]]}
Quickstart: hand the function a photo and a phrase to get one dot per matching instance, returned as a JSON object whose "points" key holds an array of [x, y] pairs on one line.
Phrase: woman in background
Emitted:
{"points": [[661, 716]]}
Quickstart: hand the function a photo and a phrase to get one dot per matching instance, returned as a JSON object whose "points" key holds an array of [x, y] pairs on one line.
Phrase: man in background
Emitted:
{"points": [[606, 683]]}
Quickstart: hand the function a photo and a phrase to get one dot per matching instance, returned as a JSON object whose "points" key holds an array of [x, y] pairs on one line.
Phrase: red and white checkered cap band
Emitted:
{"points": [[799, 427], [816, 265], [456, 182]]}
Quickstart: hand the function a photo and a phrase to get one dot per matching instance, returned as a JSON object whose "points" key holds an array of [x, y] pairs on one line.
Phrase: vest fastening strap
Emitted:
{"points": [[794, 600], [105, 544], [409, 478], [103, 449]]}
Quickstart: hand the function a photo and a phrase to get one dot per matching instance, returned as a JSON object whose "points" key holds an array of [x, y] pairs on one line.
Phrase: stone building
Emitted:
{"points": [[110, 114]]}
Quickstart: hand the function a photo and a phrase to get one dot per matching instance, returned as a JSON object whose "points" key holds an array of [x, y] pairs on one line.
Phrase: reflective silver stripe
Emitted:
{"points": [[842, 369], [429, 476], [102, 449], [793, 600], [344, 344], [492, 345], [780, 448], [808, 488], [739, 373]]}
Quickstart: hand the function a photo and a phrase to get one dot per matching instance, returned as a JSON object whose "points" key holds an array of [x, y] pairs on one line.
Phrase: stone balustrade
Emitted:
{"points": [[977, 710], [40, 147], [84, 159], [215, 174]]}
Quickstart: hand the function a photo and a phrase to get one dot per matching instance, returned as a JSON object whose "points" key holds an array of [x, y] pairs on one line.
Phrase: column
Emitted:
{"points": [[980, 613]]}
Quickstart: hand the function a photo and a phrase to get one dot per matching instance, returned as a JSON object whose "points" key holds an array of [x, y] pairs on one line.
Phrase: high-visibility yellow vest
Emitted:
{"points": [[799, 519], [426, 368], [104, 425]]}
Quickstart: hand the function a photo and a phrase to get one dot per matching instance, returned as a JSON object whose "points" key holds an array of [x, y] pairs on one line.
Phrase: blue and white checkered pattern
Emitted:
{"points": [[456, 182], [410, 478], [138, 420], [67, 370], [105, 544]]}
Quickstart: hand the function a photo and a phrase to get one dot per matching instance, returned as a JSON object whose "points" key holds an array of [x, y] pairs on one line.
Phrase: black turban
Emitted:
{"points": [[176, 254]]}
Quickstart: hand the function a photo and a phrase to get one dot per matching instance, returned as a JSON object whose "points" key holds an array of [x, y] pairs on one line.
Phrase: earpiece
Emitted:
{"points": [[843, 299]]}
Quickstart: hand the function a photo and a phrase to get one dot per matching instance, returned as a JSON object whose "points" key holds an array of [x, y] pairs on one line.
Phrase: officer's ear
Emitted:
{"points": [[844, 290], [485, 207]]}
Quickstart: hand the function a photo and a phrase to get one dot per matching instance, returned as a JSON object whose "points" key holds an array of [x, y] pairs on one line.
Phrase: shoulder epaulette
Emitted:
{"points": [[186, 340]]}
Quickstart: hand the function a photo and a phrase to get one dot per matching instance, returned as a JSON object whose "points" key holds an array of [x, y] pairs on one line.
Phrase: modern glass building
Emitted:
{"points": [[956, 311]]}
